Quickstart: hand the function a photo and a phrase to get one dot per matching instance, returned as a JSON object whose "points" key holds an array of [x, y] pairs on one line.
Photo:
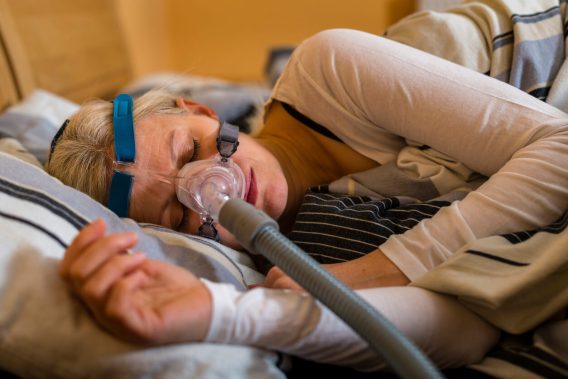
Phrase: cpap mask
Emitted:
{"points": [[203, 186]]}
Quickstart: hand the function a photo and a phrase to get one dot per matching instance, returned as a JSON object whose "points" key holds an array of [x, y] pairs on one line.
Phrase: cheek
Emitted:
{"points": [[208, 146], [227, 238], [194, 223]]}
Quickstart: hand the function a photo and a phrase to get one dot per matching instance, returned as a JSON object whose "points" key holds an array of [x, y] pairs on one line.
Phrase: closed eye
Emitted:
{"points": [[185, 152], [196, 147]]}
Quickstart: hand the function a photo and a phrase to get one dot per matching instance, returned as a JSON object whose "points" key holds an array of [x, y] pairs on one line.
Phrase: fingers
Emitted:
{"points": [[91, 250], [96, 255], [97, 287], [86, 236], [94, 263], [119, 305], [137, 302], [119, 313], [277, 279]]}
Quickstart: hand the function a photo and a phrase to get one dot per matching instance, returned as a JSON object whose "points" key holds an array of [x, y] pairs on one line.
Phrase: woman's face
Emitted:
{"points": [[164, 143]]}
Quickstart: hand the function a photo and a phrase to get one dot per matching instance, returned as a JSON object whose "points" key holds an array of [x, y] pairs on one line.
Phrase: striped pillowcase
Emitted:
{"points": [[41, 323]]}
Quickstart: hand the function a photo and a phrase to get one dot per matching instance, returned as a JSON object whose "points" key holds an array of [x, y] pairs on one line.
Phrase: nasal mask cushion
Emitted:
{"points": [[202, 184]]}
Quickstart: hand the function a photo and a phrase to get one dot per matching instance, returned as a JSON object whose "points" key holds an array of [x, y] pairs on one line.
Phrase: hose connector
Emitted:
{"points": [[245, 221]]}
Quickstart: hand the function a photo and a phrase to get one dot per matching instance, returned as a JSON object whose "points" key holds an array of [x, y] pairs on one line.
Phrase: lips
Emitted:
{"points": [[252, 190]]}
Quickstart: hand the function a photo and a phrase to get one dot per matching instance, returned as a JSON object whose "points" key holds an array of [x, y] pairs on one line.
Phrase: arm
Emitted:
{"points": [[358, 274], [370, 90], [156, 303]]}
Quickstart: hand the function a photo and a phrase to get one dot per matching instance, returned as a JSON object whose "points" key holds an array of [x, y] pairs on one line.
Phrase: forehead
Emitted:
{"points": [[159, 139]]}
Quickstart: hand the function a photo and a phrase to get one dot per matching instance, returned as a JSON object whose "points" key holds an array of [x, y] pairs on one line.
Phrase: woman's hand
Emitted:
{"points": [[136, 298], [371, 270]]}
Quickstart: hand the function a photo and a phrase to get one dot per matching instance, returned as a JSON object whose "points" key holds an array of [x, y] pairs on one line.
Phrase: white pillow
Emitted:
{"points": [[35, 120]]}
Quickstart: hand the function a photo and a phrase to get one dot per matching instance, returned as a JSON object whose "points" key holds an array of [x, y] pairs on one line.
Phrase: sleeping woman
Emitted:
{"points": [[407, 157]]}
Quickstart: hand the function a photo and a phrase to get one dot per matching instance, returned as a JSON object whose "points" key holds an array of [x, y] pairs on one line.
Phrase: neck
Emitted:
{"points": [[305, 161]]}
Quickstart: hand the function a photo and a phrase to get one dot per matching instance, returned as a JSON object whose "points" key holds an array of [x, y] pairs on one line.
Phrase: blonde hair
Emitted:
{"points": [[84, 154]]}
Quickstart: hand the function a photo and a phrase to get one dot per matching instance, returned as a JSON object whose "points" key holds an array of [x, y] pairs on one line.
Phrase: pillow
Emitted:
{"points": [[35, 121], [237, 103], [46, 333]]}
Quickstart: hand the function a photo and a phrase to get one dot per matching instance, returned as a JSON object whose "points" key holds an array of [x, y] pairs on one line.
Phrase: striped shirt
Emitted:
{"points": [[335, 228]]}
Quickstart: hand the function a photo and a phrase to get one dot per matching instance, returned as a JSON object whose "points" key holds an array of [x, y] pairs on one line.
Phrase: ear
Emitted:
{"points": [[196, 108]]}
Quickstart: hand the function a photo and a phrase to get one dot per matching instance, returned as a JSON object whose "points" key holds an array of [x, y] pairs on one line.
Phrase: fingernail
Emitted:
{"points": [[132, 236], [139, 254], [132, 253], [97, 221], [126, 239]]}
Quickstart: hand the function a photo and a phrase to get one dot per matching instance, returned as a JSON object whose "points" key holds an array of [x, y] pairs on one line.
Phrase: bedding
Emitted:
{"points": [[237, 103], [520, 43], [35, 120], [39, 217]]}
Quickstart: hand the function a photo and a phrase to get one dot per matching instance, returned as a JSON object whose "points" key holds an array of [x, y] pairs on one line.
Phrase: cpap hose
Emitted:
{"points": [[259, 234]]}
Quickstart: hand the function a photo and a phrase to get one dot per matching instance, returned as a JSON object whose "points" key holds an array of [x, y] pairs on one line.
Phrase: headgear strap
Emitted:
{"points": [[125, 152], [228, 139], [57, 137]]}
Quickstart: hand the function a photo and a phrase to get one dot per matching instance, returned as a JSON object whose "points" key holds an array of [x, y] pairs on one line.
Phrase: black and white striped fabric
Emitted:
{"points": [[335, 228]]}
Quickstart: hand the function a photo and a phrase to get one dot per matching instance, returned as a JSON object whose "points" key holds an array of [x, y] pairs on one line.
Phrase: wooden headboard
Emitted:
{"points": [[73, 48]]}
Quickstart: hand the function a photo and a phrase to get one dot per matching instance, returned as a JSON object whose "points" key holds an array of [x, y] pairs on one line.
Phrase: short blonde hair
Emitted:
{"points": [[84, 153]]}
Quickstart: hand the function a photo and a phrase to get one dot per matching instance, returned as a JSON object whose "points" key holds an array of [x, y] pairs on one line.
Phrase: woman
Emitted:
{"points": [[379, 99]]}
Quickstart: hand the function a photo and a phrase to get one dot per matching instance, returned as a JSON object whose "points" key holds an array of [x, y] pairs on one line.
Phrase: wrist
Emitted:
{"points": [[371, 270], [201, 311], [224, 298]]}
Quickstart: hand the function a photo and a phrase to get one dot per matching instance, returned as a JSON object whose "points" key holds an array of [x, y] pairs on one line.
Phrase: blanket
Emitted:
{"points": [[519, 42]]}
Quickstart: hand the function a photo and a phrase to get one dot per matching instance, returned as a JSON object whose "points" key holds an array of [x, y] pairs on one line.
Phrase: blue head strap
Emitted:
{"points": [[125, 152]]}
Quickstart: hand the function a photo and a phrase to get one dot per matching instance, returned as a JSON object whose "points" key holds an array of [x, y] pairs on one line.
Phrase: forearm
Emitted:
{"points": [[370, 89], [371, 270], [529, 191], [294, 323], [287, 321]]}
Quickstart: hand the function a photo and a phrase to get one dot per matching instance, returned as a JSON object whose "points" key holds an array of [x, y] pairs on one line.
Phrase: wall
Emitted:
{"points": [[436, 5], [147, 33], [231, 39]]}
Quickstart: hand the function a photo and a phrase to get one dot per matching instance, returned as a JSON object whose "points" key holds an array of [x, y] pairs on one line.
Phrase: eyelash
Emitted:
{"points": [[196, 146]]}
